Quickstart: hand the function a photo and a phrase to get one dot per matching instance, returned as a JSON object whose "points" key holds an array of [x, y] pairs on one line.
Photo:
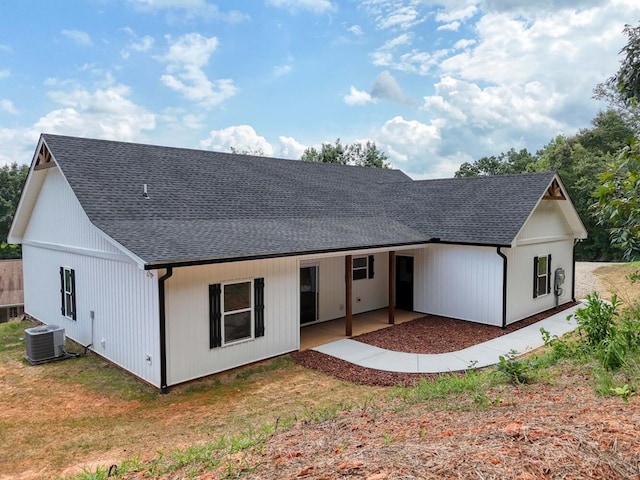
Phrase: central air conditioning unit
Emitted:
{"points": [[44, 344]]}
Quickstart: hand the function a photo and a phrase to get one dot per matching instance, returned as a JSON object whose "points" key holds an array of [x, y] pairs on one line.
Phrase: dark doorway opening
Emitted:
{"points": [[404, 282]]}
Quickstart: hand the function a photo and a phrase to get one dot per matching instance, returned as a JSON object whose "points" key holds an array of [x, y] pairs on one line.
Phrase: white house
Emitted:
{"points": [[175, 264]]}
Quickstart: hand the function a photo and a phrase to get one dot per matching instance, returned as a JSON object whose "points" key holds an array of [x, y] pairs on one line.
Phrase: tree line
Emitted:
{"points": [[598, 165]]}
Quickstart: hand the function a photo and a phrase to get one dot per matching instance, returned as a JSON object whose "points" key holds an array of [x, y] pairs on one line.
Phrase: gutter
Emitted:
{"points": [[163, 330], [504, 287], [212, 261]]}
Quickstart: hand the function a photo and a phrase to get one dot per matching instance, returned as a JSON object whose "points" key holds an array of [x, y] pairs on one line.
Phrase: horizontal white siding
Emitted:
{"points": [[123, 297], [460, 282], [58, 218], [520, 301], [187, 303]]}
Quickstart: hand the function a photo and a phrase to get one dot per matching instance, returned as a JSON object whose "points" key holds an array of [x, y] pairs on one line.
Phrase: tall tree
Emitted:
{"points": [[12, 178], [618, 201], [367, 155], [511, 161], [622, 90], [618, 195]]}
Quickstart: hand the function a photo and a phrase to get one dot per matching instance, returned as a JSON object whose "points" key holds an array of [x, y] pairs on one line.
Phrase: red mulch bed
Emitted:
{"points": [[428, 334]]}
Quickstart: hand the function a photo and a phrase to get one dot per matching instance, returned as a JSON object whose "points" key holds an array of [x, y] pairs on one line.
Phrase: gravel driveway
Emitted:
{"points": [[586, 280]]}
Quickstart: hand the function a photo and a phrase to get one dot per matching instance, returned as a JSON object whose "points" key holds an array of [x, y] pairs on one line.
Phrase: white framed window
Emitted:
{"points": [[13, 312], [362, 267], [236, 311], [68, 292], [541, 276]]}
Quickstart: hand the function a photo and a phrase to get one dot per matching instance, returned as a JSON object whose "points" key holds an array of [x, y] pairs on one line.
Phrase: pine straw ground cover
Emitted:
{"points": [[561, 430]]}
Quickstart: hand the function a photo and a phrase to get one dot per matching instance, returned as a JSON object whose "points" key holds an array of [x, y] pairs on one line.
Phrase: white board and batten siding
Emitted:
{"points": [[546, 232], [463, 282], [187, 317], [123, 297]]}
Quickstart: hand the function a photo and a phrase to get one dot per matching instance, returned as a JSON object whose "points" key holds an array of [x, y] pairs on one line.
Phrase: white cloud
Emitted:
{"points": [[357, 97], [103, 113], [186, 59], [7, 106], [315, 6], [453, 26], [191, 9], [239, 137], [18, 145], [356, 30], [78, 36], [144, 44], [280, 70], [285, 68], [5, 73], [290, 148], [394, 14], [414, 147], [403, 39], [463, 43], [456, 14]]}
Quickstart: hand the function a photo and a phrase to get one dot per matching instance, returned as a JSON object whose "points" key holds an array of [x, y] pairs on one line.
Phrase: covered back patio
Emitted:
{"points": [[318, 334]]}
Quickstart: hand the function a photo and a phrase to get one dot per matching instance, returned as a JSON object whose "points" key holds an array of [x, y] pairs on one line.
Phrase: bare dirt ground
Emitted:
{"points": [[59, 419]]}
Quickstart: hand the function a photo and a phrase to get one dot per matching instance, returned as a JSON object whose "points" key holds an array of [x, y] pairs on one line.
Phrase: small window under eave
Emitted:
{"points": [[44, 159], [554, 192]]}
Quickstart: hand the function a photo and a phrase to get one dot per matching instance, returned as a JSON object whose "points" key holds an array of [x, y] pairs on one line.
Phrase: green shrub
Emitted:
{"points": [[597, 319], [516, 370]]}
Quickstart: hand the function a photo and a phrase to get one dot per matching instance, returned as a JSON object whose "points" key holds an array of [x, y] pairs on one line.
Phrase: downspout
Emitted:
{"points": [[573, 271], [504, 287], [163, 330]]}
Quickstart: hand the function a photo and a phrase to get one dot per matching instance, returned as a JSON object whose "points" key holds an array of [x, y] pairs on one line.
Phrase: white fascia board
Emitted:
{"points": [[28, 197]]}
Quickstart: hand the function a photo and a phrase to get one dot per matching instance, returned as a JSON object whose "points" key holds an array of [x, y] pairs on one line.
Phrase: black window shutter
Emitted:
{"points": [[549, 274], [73, 294], [215, 316], [62, 291], [258, 307], [535, 277], [371, 258]]}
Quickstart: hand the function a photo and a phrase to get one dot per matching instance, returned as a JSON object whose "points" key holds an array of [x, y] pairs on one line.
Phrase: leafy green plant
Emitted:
{"points": [[597, 318], [623, 392], [516, 370]]}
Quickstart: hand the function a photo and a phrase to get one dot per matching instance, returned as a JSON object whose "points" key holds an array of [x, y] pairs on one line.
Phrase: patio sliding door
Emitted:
{"points": [[308, 294]]}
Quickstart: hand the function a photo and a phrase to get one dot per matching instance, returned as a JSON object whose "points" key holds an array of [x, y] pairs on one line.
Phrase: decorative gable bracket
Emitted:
{"points": [[554, 192], [44, 159]]}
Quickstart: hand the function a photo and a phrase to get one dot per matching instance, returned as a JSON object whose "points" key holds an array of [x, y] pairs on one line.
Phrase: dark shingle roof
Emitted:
{"points": [[210, 206], [480, 210]]}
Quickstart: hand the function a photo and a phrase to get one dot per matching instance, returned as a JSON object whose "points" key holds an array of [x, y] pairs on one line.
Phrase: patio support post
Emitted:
{"points": [[348, 279], [392, 287]]}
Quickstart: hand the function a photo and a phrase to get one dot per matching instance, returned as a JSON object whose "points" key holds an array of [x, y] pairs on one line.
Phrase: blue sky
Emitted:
{"points": [[433, 83]]}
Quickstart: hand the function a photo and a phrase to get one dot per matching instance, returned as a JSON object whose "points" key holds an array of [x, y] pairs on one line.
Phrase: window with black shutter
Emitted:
{"points": [[360, 268], [68, 292], [541, 276], [236, 312]]}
